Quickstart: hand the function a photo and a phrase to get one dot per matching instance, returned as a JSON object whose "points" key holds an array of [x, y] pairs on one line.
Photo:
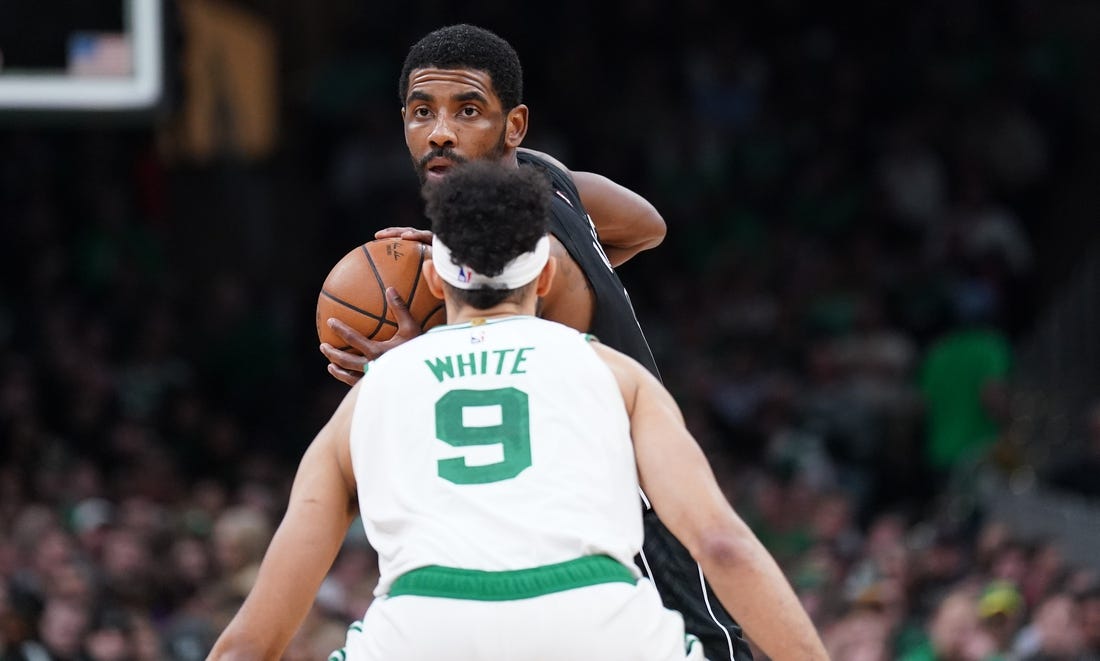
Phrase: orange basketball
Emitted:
{"points": [[355, 290]]}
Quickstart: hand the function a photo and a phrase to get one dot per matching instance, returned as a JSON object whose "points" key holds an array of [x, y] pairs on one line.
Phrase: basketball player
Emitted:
{"points": [[495, 462], [461, 91]]}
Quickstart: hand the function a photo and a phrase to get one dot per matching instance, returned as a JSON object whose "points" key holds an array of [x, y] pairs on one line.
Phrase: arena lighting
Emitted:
{"points": [[106, 72]]}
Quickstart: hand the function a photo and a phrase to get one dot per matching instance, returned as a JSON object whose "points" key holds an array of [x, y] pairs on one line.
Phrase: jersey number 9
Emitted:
{"points": [[513, 434]]}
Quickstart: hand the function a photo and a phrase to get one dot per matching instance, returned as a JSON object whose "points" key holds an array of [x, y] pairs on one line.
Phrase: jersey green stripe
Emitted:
{"points": [[476, 585]]}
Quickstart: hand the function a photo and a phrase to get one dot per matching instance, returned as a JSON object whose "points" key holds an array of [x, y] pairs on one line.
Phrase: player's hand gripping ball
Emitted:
{"points": [[355, 291]]}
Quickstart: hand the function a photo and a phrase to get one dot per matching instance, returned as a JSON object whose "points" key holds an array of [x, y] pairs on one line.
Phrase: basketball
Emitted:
{"points": [[355, 291]]}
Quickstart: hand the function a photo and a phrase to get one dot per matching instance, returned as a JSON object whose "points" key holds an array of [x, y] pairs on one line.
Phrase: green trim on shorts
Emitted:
{"points": [[690, 641], [477, 585]]}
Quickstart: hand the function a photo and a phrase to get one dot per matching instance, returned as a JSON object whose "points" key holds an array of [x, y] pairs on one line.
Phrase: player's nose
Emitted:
{"points": [[442, 135]]}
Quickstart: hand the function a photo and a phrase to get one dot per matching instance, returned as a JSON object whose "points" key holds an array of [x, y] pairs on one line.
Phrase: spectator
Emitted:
{"points": [[110, 637], [963, 378], [1089, 599], [954, 632], [240, 536], [61, 631], [1055, 633], [1002, 611]]}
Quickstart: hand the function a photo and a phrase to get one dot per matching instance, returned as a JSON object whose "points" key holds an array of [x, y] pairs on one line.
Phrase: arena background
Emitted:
{"points": [[881, 223]]}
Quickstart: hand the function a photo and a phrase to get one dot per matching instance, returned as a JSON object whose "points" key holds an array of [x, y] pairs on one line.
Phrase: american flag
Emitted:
{"points": [[100, 54]]}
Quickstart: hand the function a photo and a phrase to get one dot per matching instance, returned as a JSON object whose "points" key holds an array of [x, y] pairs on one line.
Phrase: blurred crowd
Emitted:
{"points": [[853, 201]]}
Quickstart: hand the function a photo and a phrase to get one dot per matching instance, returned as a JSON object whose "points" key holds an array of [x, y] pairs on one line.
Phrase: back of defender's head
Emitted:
{"points": [[465, 46], [488, 213]]}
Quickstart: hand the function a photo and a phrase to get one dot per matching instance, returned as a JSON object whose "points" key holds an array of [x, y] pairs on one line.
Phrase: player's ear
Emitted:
{"points": [[432, 279], [546, 276], [515, 129]]}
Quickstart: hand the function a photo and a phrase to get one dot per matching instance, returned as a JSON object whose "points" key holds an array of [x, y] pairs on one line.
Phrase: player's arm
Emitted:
{"points": [[681, 487], [322, 506], [626, 222]]}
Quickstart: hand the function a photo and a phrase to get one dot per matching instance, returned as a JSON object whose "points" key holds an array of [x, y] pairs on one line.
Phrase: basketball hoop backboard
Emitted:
{"points": [[81, 56]]}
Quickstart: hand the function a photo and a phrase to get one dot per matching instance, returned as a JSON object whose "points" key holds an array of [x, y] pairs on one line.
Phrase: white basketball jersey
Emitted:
{"points": [[494, 446]]}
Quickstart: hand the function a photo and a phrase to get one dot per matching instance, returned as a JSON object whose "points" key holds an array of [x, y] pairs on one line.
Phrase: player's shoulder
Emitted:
{"points": [[561, 178], [617, 360], [536, 324], [546, 332], [535, 157]]}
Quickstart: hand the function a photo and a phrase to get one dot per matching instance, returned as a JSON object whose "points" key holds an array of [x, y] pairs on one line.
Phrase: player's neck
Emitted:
{"points": [[466, 314]]}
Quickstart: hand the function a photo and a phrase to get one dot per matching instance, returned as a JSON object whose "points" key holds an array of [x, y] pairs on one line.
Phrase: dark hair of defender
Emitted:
{"points": [[488, 214], [465, 46]]}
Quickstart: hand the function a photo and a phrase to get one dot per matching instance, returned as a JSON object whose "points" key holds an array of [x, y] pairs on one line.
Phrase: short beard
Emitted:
{"points": [[421, 165]]}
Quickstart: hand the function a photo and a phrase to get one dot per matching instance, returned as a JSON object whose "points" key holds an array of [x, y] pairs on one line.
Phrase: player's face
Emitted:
{"points": [[453, 116]]}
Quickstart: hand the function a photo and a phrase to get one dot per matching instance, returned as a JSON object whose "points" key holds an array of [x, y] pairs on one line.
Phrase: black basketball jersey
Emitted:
{"points": [[677, 577], [613, 320]]}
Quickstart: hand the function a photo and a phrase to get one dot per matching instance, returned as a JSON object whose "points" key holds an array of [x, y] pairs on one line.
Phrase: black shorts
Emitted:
{"points": [[680, 582]]}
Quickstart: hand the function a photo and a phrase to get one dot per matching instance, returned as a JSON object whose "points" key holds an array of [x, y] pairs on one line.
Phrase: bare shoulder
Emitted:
{"points": [[631, 375], [619, 361], [642, 392], [610, 356]]}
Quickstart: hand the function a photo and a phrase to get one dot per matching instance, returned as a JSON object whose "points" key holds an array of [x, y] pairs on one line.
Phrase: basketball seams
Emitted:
{"points": [[416, 281], [365, 313], [416, 289], [431, 313], [356, 309], [381, 285]]}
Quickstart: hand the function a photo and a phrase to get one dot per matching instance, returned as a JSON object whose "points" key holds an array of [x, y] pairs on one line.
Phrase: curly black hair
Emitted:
{"points": [[465, 46], [488, 214]]}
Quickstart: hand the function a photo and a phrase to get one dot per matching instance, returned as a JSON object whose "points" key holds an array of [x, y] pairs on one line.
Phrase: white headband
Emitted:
{"points": [[518, 272]]}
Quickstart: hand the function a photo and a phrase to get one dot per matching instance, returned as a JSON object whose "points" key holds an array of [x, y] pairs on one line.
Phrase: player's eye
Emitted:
{"points": [[421, 111], [469, 111]]}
